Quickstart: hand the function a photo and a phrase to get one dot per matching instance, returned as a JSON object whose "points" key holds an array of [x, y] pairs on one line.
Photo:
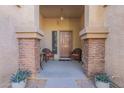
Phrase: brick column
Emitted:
{"points": [[93, 52], [93, 36], [29, 51]]}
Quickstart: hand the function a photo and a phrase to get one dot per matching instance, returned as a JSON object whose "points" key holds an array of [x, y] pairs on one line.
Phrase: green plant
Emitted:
{"points": [[20, 75], [102, 77]]}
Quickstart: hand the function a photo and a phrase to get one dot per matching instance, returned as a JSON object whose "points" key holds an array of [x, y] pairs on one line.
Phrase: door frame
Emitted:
{"points": [[71, 38]]}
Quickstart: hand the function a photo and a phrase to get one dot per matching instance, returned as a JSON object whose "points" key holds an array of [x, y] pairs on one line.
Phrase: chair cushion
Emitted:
{"points": [[75, 54]]}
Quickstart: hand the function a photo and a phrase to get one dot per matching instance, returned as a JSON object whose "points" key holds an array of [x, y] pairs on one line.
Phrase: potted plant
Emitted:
{"points": [[102, 80], [18, 80]]}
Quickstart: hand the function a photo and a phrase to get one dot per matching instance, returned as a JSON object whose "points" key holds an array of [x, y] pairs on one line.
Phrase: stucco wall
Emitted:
{"points": [[114, 57], [54, 24], [82, 20], [12, 19], [8, 50], [25, 17], [41, 23]]}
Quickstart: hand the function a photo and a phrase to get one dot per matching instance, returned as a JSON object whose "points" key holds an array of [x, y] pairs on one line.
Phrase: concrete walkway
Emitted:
{"points": [[61, 69], [64, 74]]}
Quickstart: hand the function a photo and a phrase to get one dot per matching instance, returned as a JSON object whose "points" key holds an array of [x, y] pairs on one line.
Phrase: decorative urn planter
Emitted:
{"points": [[21, 84], [102, 80], [19, 79], [100, 84]]}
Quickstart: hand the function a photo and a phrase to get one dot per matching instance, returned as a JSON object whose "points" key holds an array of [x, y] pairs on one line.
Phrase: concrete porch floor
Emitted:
{"points": [[62, 74]]}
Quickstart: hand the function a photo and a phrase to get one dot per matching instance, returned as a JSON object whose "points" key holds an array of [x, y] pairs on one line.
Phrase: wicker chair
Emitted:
{"points": [[47, 54], [76, 54]]}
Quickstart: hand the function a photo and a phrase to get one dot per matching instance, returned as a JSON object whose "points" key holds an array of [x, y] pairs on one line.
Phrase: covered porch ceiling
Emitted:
{"points": [[67, 11]]}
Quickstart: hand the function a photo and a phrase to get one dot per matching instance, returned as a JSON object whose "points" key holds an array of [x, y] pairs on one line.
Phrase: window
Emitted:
{"points": [[54, 42]]}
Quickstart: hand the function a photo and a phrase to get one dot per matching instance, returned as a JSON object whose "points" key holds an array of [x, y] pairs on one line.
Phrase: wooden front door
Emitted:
{"points": [[65, 44]]}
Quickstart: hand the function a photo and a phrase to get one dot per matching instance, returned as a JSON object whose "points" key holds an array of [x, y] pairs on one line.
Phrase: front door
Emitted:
{"points": [[65, 44]]}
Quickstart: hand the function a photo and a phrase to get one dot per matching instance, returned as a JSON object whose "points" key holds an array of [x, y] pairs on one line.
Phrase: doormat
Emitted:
{"points": [[64, 59]]}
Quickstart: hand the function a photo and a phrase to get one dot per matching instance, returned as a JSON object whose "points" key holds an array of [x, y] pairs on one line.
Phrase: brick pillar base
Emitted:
{"points": [[29, 51], [94, 52]]}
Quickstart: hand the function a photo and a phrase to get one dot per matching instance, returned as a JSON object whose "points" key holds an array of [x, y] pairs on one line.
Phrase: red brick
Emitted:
{"points": [[93, 56], [29, 55]]}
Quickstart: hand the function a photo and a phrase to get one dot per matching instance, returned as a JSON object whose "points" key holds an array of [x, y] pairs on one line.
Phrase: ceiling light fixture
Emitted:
{"points": [[61, 17]]}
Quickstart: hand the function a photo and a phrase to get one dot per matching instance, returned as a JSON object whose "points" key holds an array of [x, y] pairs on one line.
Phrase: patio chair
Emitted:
{"points": [[76, 54], [47, 54]]}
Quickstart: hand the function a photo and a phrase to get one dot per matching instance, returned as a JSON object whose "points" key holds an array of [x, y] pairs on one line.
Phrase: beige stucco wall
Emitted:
{"points": [[25, 17], [8, 50], [42, 23], [54, 24], [114, 57], [82, 20], [13, 19], [94, 17]]}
